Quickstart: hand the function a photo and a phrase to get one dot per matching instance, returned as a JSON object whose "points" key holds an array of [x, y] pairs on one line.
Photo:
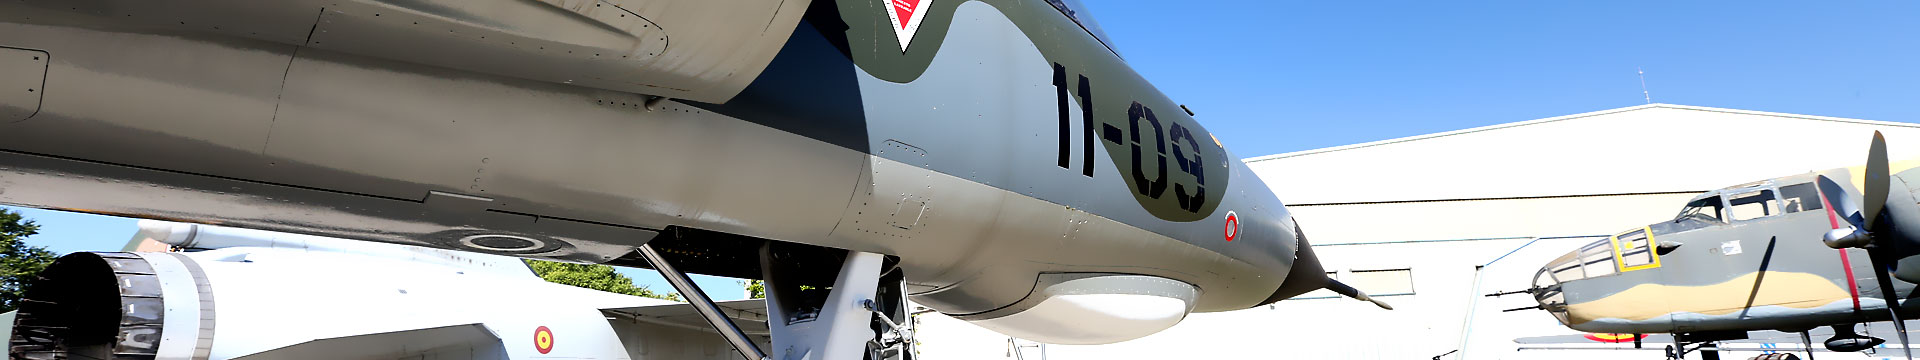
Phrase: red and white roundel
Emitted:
{"points": [[543, 340], [1232, 229]]}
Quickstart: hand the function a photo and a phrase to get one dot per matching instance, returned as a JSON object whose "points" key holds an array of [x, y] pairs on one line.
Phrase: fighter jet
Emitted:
{"points": [[1830, 248], [248, 294], [997, 160]]}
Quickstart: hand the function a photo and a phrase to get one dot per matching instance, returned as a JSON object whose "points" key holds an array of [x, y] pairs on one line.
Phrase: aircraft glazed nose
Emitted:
{"points": [[1547, 293]]}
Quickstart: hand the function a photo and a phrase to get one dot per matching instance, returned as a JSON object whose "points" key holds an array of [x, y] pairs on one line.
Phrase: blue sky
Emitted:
{"points": [[1278, 76], [1269, 77]]}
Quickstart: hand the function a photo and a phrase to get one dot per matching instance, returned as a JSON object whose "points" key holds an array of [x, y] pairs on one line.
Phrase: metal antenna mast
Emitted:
{"points": [[1643, 84]]}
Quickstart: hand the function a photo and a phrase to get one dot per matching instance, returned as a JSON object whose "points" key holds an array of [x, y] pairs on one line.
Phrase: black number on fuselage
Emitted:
{"points": [[1066, 141], [1158, 186], [1086, 125], [1182, 138], [1066, 122], [1193, 202]]}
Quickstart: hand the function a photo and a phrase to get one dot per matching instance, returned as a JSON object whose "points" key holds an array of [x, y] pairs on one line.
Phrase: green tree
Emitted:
{"points": [[756, 289], [591, 276], [19, 262]]}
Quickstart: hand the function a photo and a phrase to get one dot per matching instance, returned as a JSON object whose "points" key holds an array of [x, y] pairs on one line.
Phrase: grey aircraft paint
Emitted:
{"points": [[969, 156]]}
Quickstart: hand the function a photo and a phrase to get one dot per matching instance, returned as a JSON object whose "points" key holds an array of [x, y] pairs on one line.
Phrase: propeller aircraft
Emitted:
{"points": [[1830, 248], [995, 160]]}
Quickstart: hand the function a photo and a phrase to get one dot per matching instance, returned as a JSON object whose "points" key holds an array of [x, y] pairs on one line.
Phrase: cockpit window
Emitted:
{"points": [[1800, 197], [1078, 12], [1752, 205], [1593, 260], [1636, 250], [1707, 209], [1598, 259]]}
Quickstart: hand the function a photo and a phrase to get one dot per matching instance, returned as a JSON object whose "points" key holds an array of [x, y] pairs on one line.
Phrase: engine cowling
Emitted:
{"points": [[92, 306]]}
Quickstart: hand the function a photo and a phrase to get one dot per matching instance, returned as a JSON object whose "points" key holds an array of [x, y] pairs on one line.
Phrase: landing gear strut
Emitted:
{"points": [[1806, 342], [1702, 342], [822, 304], [1707, 351], [702, 304]]}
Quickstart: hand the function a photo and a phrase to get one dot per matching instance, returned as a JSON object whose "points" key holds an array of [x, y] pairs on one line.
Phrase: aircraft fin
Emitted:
{"points": [[389, 345], [1342, 288], [750, 315]]}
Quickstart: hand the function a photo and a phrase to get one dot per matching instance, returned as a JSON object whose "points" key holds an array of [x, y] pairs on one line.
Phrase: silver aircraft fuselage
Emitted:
{"points": [[1001, 143]]}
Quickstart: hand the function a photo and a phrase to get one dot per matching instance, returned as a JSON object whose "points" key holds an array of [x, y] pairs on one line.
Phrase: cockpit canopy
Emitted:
{"points": [[1745, 203], [1078, 12]]}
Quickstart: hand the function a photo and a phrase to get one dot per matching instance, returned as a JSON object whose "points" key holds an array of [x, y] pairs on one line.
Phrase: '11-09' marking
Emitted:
{"points": [[1154, 187]]}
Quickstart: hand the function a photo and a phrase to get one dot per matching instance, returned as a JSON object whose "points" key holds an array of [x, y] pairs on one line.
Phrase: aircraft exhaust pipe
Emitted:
{"points": [[91, 306]]}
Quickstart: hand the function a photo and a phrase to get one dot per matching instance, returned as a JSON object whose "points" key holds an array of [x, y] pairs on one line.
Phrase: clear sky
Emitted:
{"points": [[1279, 76], [1270, 77]]}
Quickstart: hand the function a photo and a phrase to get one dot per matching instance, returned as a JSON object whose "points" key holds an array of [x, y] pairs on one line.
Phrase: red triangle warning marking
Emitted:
{"points": [[906, 16], [903, 11]]}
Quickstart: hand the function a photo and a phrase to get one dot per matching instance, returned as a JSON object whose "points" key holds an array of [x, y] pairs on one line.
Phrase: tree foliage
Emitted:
{"points": [[756, 289], [19, 262], [591, 276]]}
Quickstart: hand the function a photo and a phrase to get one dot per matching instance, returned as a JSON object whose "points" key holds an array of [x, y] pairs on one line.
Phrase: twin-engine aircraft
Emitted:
{"points": [[1830, 248], [996, 160], [249, 294]]}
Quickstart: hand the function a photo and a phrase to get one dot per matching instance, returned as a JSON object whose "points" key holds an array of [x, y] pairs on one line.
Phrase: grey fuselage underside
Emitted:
{"points": [[953, 172]]}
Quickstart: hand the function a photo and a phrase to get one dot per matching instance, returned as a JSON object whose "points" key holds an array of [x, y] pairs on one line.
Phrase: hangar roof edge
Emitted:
{"points": [[1570, 117]]}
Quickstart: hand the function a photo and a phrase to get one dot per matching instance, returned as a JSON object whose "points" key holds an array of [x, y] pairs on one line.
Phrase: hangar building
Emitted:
{"points": [[1431, 223]]}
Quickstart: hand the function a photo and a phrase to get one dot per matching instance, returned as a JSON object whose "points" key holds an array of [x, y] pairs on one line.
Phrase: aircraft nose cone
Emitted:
{"points": [[1306, 274]]}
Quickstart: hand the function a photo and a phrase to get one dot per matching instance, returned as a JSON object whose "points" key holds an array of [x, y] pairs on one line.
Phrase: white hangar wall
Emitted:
{"points": [[1641, 149], [1439, 220]]}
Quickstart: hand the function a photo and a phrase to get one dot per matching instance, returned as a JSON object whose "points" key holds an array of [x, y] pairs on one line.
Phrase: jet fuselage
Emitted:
{"points": [[984, 144]]}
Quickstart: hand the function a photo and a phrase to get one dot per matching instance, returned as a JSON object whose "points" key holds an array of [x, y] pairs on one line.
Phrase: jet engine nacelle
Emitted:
{"points": [[285, 296]]}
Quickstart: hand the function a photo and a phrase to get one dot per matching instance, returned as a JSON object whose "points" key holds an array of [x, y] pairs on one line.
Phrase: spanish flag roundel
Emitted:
{"points": [[543, 340]]}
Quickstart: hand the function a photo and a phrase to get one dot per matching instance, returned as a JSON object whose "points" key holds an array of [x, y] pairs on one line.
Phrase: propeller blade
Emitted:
{"points": [[1885, 279], [1847, 207], [1876, 181], [1342, 289], [1839, 237]]}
